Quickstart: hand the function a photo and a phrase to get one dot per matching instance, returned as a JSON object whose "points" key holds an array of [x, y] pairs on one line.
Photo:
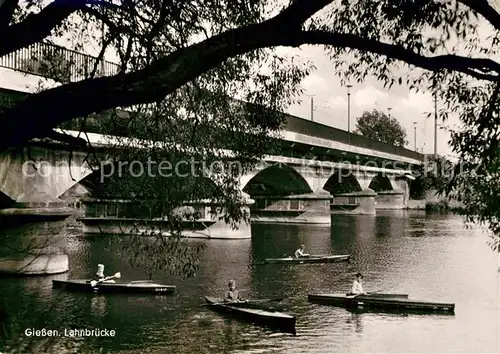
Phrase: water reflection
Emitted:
{"points": [[98, 306], [357, 320], [431, 257]]}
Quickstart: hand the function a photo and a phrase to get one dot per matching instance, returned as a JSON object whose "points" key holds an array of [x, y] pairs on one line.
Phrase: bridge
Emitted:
{"points": [[320, 170]]}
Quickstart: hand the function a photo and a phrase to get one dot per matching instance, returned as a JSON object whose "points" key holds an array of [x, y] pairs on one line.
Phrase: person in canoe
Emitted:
{"points": [[232, 295], [100, 275], [300, 252], [357, 285]]}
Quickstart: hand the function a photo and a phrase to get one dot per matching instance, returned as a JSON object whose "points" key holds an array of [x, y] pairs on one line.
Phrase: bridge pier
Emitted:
{"points": [[311, 208], [362, 202], [33, 236], [390, 200], [401, 183], [121, 217]]}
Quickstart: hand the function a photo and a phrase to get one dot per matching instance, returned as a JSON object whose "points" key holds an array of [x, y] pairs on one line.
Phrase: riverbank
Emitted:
{"points": [[434, 205]]}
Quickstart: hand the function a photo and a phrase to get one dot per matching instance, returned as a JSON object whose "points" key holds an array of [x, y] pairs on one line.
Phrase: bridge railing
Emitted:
{"points": [[57, 63]]}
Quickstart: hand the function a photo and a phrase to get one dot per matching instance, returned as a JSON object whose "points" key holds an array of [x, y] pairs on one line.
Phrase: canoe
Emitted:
{"points": [[261, 304], [310, 259], [384, 295], [377, 302], [141, 287], [272, 319]]}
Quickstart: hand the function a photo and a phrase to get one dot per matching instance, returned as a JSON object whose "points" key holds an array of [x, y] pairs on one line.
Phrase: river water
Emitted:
{"points": [[429, 256]]}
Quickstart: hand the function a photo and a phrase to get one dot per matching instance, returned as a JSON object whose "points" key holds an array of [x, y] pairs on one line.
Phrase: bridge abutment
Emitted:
{"points": [[33, 236], [390, 200], [361, 203], [401, 183], [199, 220], [313, 208]]}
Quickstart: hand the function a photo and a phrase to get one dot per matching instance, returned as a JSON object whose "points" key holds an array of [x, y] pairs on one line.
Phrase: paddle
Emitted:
{"points": [[141, 281], [248, 303], [353, 296], [261, 306], [264, 305], [379, 294], [93, 283], [267, 300]]}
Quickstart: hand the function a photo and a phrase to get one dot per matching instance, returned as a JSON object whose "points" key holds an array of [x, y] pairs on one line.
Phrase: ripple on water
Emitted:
{"points": [[427, 256]]}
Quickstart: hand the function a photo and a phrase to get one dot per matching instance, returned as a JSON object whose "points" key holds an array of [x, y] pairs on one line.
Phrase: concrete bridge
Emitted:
{"points": [[321, 170]]}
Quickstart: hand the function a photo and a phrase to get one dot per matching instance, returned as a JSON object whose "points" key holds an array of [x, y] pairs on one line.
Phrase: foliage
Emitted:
{"points": [[193, 146], [51, 64], [435, 174], [187, 129], [428, 45], [379, 126], [468, 88], [6, 102]]}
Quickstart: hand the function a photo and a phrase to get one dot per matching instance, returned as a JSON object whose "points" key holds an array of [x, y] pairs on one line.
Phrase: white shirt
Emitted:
{"points": [[299, 253], [357, 288]]}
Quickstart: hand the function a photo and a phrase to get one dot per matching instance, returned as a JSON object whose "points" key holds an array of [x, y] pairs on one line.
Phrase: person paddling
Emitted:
{"points": [[300, 252], [100, 275], [232, 295], [357, 285]]}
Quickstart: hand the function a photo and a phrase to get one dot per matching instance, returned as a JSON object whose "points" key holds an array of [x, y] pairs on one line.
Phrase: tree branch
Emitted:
{"points": [[301, 10], [34, 28], [483, 69], [483, 8], [148, 85], [38, 114]]}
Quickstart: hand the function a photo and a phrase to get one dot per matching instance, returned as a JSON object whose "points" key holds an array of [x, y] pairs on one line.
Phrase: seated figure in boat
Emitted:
{"points": [[100, 274], [300, 252], [232, 295], [357, 285]]}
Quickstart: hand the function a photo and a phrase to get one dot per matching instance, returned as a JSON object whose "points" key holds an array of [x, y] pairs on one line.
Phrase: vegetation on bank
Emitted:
{"points": [[430, 185], [443, 206], [433, 175]]}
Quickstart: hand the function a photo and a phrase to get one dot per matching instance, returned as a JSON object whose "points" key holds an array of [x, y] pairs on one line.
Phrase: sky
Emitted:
{"points": [[330, 104]]}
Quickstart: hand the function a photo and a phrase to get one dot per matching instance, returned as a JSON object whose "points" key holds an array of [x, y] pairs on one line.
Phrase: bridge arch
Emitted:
{"points": [[99, 183], [277, 180], [92, 183], [342, 181], [380, 183], [5, 200]]}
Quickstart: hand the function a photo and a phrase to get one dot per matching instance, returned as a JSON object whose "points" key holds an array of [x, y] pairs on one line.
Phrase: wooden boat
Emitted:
{"points": [[374, 302], [310, 259], [272, 319], [383, 295], [140, 287]]}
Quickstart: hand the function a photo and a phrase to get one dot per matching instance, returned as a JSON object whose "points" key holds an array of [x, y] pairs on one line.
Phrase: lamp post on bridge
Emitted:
{"points": [[389, 109], [415, 136], [349, 111], [435, 125], [312, 106]]}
